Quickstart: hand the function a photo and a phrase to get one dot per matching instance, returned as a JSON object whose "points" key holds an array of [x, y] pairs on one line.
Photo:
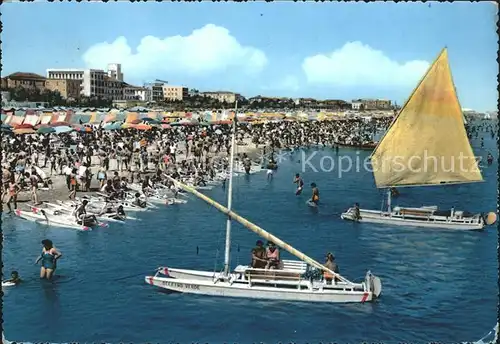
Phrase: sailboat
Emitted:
{"points": [[426, 145], [293, 281]]}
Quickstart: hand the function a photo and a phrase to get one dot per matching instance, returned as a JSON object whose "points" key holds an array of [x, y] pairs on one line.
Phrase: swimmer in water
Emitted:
{"points": [[490, 159], [300, 184], [315, 194], [270, 167], [14, 278]]}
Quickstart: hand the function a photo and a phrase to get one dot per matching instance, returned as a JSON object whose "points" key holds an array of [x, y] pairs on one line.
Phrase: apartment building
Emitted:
{"points": [[156, 91], [115, 71], [173, 93], [68, 88], [223, 96], [113, 88], [93, 82], [25, 80], [144, 94], [131, 92], [68, 73], [371, 104]]}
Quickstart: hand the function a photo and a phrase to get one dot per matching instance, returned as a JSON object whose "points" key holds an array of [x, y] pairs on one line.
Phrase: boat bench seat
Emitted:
{"points": [[415, 212], [273, 274], [294, 265]]}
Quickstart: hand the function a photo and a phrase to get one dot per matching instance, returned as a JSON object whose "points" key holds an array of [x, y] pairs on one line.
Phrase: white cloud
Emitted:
{"points": [[205, 51], [357, 64]]}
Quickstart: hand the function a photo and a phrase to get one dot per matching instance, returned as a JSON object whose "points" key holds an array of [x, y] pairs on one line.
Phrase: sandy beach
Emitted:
{"points": [[59, 189]]}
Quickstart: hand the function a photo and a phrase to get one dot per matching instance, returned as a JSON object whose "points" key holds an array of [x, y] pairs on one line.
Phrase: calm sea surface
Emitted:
{"points": [[437, 285]]}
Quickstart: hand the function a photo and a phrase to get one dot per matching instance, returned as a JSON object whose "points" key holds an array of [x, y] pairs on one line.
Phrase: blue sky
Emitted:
{"points": [[275, 49]]}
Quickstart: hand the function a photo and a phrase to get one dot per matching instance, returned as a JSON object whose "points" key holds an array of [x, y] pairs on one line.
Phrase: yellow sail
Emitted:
{"points": [[256, 229], [427, 143]]}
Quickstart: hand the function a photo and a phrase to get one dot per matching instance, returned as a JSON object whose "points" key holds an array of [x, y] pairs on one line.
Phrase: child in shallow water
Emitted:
{"points": [[14, 278]]}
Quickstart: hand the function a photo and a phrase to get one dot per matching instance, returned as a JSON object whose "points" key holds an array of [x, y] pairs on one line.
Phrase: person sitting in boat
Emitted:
{"points": [[259, 260], [331, 265], [273, 256], [300, 184], [81, 214], [124, 184], [315, 194], [120, 212], [138, 201], [394, 192], [200, 181], [14, 278], [49, 258], [357, 213]]}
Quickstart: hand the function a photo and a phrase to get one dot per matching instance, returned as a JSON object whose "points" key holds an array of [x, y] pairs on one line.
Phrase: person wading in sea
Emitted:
{"points": [[300, 184], [49, 258], [315, 194]]}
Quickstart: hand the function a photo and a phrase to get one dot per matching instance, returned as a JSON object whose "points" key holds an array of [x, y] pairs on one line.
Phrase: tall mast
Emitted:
{"points": [[227, 252]]}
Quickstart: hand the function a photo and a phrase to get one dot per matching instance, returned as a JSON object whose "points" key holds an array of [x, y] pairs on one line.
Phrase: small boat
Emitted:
{"points": [[420, 148], [294, 281], [490, 338], [127, 204], [362, 146], [44, 218], [69, 208]]}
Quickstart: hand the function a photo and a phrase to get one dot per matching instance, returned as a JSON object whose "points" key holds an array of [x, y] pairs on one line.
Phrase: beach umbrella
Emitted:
{"points": [[127, 125], [110, 126], [5, 128], [45, 130], [150, 121], [166, 126], [60, 124], [136, 121], [24, 126], [63, 129], [143, 127], [218, 132], [24, 131]]}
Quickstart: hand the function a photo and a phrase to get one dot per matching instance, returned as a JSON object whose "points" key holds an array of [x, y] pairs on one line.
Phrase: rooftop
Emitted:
{"points": [[22, 75], [219, 92]]}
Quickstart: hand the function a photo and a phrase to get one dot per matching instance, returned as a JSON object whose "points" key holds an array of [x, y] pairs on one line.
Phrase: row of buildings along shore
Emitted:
{"points": [[72, 84]]}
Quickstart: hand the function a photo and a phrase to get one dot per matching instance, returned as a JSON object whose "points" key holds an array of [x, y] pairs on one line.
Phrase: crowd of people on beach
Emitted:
{"points": [[31, 162]]}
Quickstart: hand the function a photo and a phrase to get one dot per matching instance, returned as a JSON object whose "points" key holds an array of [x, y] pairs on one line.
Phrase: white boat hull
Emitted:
{"points": [[287, 283], [54, 221], [429, 220], [245, 290]]}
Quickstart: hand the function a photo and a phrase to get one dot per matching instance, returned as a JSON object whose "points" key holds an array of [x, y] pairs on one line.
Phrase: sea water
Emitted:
{"points": [[437, 285]]}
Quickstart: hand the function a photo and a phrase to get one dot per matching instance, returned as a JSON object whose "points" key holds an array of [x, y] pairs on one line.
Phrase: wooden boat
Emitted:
{"points": [[295, 281], [362, 146], [426, 138]]}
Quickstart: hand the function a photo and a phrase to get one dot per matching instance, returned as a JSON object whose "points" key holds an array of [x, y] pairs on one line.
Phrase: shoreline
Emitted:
{"points": [[59, 190]]}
